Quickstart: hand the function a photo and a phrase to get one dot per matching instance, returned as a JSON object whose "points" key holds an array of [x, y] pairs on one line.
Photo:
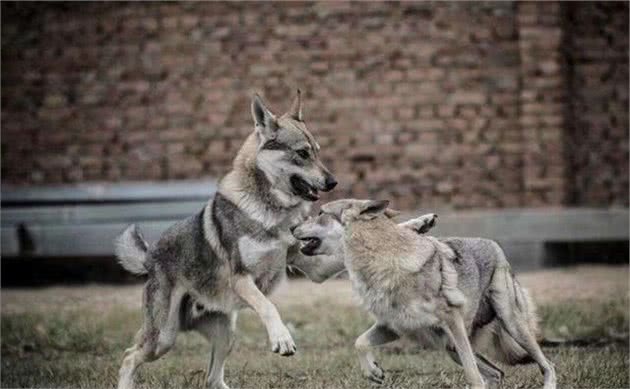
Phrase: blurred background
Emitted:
{"points": [[508, 119]]}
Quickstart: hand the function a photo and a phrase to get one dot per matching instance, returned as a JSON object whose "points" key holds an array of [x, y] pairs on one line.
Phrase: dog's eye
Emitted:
{"points": [[303, 153]]}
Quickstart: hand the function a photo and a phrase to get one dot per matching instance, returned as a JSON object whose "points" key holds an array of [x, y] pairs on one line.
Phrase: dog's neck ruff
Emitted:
{"points": [[379, 249], [251, 191]]}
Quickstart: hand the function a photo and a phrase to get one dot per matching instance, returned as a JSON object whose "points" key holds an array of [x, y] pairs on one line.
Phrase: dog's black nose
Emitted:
{"points": [[330, 183]]}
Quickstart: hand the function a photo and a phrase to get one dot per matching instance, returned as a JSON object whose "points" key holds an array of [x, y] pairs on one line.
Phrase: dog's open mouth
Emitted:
{"points": [[309, 245], [303, 189]]}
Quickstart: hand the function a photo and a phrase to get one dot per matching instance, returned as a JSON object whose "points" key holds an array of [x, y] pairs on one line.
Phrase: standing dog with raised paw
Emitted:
{"points": [[233, 252]]}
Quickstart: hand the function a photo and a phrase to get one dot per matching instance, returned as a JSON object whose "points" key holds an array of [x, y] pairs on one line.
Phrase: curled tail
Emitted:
{"points": [[131, 250]]}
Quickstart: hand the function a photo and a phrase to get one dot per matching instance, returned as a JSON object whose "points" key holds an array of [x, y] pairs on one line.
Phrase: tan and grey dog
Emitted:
{"points": [[234, 251], [442, 292]]}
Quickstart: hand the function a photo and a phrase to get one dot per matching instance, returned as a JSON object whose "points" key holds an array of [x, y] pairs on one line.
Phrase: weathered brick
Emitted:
{"points": [[155, 93], [468, 97]]}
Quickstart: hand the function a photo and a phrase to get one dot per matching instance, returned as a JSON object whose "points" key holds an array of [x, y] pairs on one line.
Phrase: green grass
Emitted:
{"points": [[83, 350]]}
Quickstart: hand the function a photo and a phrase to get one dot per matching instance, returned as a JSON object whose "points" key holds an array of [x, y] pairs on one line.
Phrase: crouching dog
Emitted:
{"points": [[454, 293]]}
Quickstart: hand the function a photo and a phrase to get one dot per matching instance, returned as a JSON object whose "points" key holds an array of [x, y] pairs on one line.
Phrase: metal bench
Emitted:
{"points": [[83, 220], [536, 237]]}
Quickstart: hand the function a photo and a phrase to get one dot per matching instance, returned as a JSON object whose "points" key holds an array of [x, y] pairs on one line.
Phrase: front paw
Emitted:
{"points": [[282, 342], [373, 372], [217, 385]]}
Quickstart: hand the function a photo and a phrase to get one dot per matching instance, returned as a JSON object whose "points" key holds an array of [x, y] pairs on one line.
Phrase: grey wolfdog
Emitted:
{"points": [[234, 251], [447, 292]]}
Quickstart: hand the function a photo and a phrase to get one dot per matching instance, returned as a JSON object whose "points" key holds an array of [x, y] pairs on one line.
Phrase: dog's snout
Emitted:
{"points": [[330, 183], [296, 231]]}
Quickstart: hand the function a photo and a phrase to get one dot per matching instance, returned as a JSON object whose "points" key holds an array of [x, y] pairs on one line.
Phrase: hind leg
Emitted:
{"points": [[492, 374], [459, 337], [489, 369], [157, 336], [510, 306], [218, 329]]}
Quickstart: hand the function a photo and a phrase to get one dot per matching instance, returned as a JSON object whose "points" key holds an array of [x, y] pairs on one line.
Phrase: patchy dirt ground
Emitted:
{"points": [[556, 285]]}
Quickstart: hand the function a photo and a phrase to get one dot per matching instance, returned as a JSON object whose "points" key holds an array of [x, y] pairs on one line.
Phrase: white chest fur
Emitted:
{"points": [[265, 260]]}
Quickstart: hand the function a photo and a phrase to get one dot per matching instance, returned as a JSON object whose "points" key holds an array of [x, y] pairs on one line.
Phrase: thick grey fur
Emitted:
{"points": [[496, 311], [234, 251]]}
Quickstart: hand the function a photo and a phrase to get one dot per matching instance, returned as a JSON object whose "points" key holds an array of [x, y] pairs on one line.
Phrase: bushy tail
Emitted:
{"points": [[131, 250]]}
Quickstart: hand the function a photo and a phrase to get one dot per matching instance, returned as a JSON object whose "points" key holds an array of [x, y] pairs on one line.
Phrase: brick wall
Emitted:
{"points": [[542, 102], [598, 84], [462, 105]]}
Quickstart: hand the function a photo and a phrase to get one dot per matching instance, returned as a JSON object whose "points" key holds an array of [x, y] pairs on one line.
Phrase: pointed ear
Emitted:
{"points": [[421, 224], [336, 208], [264, 121], [373, 207], [392, 213], [296, 108]]}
